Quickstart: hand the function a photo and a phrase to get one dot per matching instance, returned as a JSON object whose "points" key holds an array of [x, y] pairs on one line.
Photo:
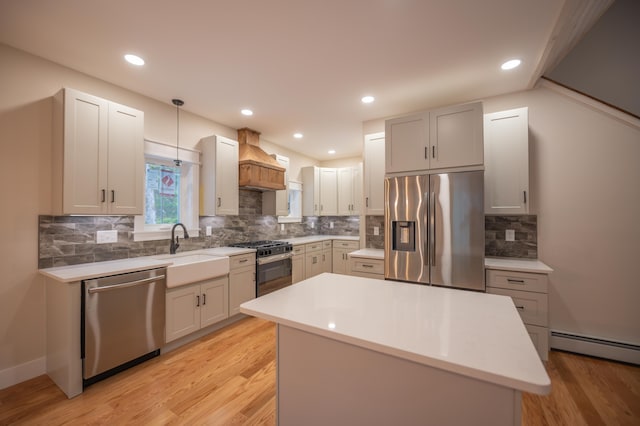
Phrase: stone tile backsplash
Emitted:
{"points": [[524, 246], [70, 240], [526, 236]]}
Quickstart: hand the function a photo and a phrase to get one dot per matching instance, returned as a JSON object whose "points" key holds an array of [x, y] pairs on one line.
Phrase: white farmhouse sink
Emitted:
{"points": [[189, 268]]}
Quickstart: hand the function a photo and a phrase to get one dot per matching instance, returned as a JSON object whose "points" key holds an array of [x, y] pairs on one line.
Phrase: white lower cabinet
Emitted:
{"points": [[529, 292], [297, 264], [313, 259], [194, 306], [242, 281], [327, 254], [367, 268], [340, 261]]}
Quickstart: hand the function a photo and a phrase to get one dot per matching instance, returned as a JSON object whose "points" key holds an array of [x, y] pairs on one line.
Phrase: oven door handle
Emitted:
{"points": [[274, 258]]}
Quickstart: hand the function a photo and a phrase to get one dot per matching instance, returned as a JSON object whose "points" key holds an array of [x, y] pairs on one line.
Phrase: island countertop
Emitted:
{"points": [[473, 334]]}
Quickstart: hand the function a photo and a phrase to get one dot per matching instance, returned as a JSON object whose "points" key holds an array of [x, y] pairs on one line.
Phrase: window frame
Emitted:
{"points": [[293, 186], [164, 153]]}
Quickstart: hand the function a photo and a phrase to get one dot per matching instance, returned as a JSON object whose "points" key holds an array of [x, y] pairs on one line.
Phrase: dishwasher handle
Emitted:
{"points": [[124, 285]]}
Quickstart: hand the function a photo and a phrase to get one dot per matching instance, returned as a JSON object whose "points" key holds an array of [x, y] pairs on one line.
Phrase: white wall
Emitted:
{"points": [[585, 188]]}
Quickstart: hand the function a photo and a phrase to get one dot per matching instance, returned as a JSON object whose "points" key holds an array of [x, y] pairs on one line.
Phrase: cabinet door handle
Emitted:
{"points": [[514, 281], [104, 195], [197, 301], [366, 201], [113, 196], [219, 201], [524, 196], [204, 299], [426, 152], [433, 151]]}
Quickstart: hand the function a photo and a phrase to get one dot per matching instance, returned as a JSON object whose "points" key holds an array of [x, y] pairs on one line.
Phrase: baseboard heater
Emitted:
{"points": [[595, 346]]}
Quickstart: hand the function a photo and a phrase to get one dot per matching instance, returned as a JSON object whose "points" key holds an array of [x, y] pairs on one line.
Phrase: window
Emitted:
{"points": [[171, 192], [295, 204], [162, 193]]}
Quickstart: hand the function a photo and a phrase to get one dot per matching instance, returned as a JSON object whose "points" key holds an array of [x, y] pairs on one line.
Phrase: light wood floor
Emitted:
{"points": [[228, 377]]}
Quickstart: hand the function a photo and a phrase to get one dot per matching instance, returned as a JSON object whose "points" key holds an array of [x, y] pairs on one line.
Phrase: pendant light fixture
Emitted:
{"points": [[178, 103]]}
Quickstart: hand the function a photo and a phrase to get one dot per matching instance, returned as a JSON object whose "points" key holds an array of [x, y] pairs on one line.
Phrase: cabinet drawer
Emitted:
{"points": [[532, 307], [298, 249], [242, 260], [326, 245], [371, 266], [355, 245], [517, 280], [540, 338], [311, 247]]}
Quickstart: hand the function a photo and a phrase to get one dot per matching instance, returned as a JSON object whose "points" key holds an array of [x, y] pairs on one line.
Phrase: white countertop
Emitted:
{"points": [[521, 265], [225, 251], [86, 271], [477, 335], [368, 253], [316, 238]]}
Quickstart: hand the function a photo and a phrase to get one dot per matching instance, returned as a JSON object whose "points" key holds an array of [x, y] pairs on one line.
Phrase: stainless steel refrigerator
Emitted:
{"points": [[434, 229]]}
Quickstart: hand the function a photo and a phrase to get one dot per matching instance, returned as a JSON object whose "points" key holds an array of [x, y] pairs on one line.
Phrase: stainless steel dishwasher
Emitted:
{"points": [[122, 322]]}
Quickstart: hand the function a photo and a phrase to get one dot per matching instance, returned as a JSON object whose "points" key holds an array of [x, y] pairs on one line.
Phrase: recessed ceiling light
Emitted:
{"points": [[134, 59], [297, 135], [332, 151], [509, 65], [367, 99], [246, 112]]}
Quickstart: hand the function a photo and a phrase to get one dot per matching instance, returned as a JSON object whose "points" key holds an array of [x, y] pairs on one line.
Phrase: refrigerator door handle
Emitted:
{"points": [[432, 232]]}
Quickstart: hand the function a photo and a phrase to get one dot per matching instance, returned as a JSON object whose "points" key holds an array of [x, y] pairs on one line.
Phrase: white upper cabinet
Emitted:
{"points": [[456, 136], [506, 175], [374, 174], [349, 190], [319, 191], [438, 139], [277, 202], [98, 156], [219, 177], [311, 191], [328, 191], [407, 143]]}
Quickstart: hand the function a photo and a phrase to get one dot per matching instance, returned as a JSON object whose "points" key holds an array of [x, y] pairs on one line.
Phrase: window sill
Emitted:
{"points": [[287, 219]]}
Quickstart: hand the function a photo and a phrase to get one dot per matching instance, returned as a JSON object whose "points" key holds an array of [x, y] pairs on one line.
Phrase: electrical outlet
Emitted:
{"points": [[330, 225], [313, 225], [510, 235], [376, 230], [208, 231], [103, 237], [282, 227]]}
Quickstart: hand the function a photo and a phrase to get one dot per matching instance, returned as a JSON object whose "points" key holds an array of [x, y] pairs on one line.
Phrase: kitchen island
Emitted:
{"points": [[354, 350]]}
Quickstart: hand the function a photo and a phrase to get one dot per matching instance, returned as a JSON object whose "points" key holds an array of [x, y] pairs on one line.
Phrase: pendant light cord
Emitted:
{"points": [[178, 103]]}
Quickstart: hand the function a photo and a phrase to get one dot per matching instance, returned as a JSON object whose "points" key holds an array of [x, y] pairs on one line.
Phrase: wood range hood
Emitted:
{"points": [[257, 169]]}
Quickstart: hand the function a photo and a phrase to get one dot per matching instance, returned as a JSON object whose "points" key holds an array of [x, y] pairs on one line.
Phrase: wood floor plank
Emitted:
{"points": [[229, 377]]}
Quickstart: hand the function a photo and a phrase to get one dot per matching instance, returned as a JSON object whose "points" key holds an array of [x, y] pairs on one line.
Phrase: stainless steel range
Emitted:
{"points": [[273, 264]]}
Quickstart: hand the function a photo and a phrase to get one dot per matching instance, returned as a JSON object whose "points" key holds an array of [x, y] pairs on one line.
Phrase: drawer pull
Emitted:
{"points": [[364, 265], [243, 260], [514, 281], [520, 307]]}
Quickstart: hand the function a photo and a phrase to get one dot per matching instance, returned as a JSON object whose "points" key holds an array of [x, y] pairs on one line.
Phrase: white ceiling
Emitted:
{"points": [[301, 65]]}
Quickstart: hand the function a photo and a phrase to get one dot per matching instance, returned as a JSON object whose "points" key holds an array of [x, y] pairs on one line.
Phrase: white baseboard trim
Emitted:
{"points": [[19, 373], [595, 346]]}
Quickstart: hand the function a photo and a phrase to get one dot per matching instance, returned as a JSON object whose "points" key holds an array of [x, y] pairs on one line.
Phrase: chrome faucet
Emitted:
{"points": [[174, 238]]}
